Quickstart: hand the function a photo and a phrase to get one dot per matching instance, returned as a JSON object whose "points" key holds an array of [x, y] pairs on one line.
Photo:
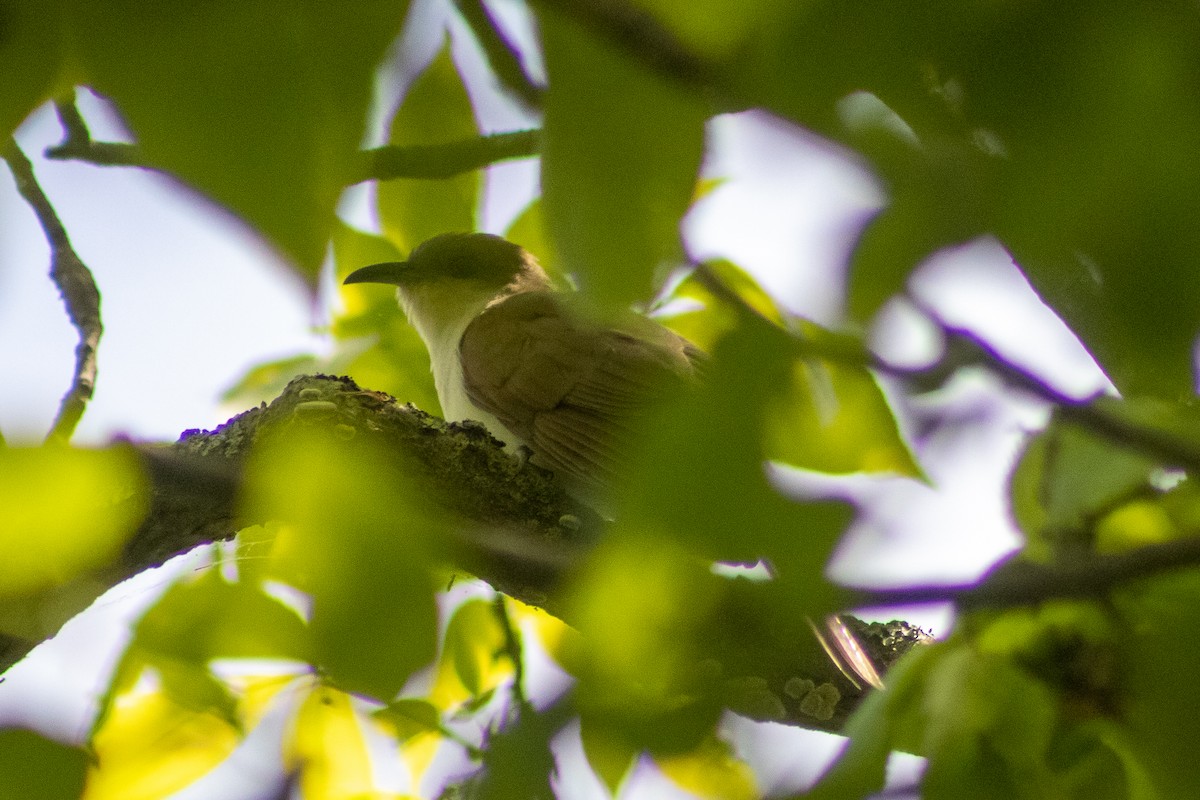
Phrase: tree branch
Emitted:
{"points": [[380, 163], [443, 160], [1017, 583], [75, 285], [641, 35], [516, 529]]}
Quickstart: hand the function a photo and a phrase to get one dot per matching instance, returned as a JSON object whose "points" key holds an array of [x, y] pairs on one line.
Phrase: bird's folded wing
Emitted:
{"points": [[570, 388]]}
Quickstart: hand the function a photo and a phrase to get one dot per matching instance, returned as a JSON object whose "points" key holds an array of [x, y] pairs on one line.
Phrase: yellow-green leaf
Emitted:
{"points": [[711, 771], [149, 747], [64, 512]]}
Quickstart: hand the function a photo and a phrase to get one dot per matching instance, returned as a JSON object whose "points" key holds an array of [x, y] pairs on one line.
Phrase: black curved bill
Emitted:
{"points": [[392, 272]]}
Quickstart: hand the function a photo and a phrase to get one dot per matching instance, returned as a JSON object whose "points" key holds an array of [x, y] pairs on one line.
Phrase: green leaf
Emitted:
{"points": [[436, 110], [410, 717], [31, 58], [699, 476], [260, 104], [834, 418], [519, 761], [1160, 687], [36, 768], [264, 382], [990, 725], [474, 642], [619, 165], [707, 26], [359, 540], [885, 721], [1067, 477], [208, 617], [64, 512], [610, 756]]}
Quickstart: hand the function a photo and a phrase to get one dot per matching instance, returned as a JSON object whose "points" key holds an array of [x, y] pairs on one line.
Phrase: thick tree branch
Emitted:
{"points": [[75, 285], [516, 529]]}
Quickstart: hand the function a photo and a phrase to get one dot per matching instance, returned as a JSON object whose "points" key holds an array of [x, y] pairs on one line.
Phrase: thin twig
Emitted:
{"points": [[501, 54], [514, 651], [77, 287], [443, 160], [642, 36], [381, 163], [1018, 583]]}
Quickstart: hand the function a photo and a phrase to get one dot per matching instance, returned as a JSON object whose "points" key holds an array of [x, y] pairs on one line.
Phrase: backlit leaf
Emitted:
{"points": [[260, 104], [436, 110], [621, 154]]}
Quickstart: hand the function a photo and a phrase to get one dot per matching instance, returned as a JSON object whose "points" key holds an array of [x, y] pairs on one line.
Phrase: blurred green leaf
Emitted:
{"points": [[264, 382], [151, 747], [35, 768], [261, 105], [358, 539], [1066, 130], [1160, 687], [989, 727], [410, 717], [208, 617], [31, 58], [885, 721], [519, 761], [708, 27], [435, 110], [327, 747], [700, 476], [1067, 477], [610, 756], [711, 771], [619, 164], [64, 512], [834, 418]]}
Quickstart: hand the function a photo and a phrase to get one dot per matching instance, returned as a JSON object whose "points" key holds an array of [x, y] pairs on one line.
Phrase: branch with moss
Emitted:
{"points": [[515, 529], [77, 288]]}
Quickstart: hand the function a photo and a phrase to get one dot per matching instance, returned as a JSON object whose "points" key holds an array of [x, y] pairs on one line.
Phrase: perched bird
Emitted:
{"points": [[509, 350]]}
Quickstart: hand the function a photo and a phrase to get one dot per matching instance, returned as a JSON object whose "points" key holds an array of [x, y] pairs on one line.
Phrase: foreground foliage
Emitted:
{"points": [[1069, 134]]}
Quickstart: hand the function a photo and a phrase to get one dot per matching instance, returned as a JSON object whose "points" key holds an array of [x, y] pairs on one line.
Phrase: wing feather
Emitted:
{"points": [[571, 389]]}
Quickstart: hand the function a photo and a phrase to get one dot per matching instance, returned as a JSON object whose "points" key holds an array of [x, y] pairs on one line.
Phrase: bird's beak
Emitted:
{"points": [[393, 272]]}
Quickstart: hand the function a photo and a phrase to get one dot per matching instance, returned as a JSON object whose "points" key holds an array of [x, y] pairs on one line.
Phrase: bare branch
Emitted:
{"points": [[77, 287]]}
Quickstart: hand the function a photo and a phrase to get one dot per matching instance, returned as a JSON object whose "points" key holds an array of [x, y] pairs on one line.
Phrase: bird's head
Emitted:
{"points": [[453, 275]]}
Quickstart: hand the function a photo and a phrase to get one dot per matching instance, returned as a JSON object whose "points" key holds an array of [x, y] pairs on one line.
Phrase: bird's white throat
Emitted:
{"points": [[440, 312]]}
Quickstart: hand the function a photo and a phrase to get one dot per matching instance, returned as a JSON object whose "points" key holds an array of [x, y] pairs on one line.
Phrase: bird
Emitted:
{"points": [[510, 350]]}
